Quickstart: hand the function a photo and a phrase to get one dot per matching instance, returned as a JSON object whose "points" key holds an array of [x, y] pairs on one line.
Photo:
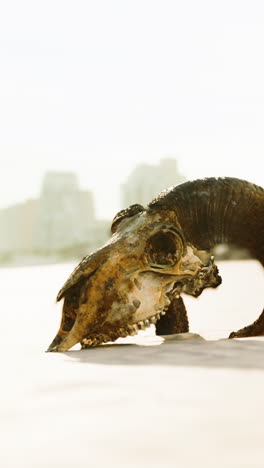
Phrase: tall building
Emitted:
{"points": [[146, 181], [17, 226], [65, 213], [62, 217]]}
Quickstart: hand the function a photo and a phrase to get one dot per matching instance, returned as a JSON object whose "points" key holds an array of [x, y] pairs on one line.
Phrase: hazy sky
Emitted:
{"points": [[100, 86]]}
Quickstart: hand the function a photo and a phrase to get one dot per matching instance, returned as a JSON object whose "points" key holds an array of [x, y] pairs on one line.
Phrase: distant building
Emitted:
{"points": [[65, 213], [17, 226], [147, 181], [60, 223]]}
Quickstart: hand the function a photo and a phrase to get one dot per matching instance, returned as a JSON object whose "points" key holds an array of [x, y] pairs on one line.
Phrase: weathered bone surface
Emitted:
{"points": [[154, 255]]}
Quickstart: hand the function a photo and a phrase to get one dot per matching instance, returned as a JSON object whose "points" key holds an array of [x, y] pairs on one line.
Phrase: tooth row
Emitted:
{"points": [[146, 323], [122, 332]]}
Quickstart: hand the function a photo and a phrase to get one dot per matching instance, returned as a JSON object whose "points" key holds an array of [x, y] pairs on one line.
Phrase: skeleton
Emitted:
{"points": [[154, 255]]}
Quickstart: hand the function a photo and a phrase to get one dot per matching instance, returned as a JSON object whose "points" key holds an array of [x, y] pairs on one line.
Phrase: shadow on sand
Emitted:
{"points": [[232, 354]]}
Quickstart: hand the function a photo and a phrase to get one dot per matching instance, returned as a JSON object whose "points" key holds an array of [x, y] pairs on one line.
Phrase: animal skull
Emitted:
{"points": [[128, 283]]}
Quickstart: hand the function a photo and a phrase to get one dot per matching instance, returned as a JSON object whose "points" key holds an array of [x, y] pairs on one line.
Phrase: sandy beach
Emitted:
{"points": [[141, 402]]}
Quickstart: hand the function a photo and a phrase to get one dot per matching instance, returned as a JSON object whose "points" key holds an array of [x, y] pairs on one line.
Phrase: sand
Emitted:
{"points": [[142, 402]]}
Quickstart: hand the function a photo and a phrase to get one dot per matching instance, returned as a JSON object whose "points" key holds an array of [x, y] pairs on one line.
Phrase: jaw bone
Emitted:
{"points": [[131, 330]]}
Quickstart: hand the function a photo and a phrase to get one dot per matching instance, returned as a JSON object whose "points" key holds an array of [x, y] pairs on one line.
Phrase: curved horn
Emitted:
{"points": [[127, 213]]}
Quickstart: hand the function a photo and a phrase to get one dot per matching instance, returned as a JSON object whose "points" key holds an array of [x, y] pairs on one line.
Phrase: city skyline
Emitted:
{"points": [[106, 206], [62, 221], [137, 173], [114, 85]]}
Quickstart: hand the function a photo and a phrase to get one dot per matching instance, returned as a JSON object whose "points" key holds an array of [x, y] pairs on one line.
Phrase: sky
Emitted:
{"points": [[98, 87]]}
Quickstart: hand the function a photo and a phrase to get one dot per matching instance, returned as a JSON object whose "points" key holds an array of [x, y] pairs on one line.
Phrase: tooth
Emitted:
{"points": [[114, 336], [123, 333], [153, 319], [106, 338], [87, 342], [158, 316], [147, 323], [132, 330], [140, 325], [163, 312]]}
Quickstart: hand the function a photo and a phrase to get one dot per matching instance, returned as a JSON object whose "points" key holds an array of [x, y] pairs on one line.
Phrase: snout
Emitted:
{"points": [[97, 303]]}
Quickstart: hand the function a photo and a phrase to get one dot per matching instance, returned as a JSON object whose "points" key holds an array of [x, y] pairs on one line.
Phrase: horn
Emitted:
{"points": [[127, 213]]}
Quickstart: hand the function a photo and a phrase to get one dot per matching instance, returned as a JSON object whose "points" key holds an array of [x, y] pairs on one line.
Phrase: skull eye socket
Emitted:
{"points": [[164, 249]]}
